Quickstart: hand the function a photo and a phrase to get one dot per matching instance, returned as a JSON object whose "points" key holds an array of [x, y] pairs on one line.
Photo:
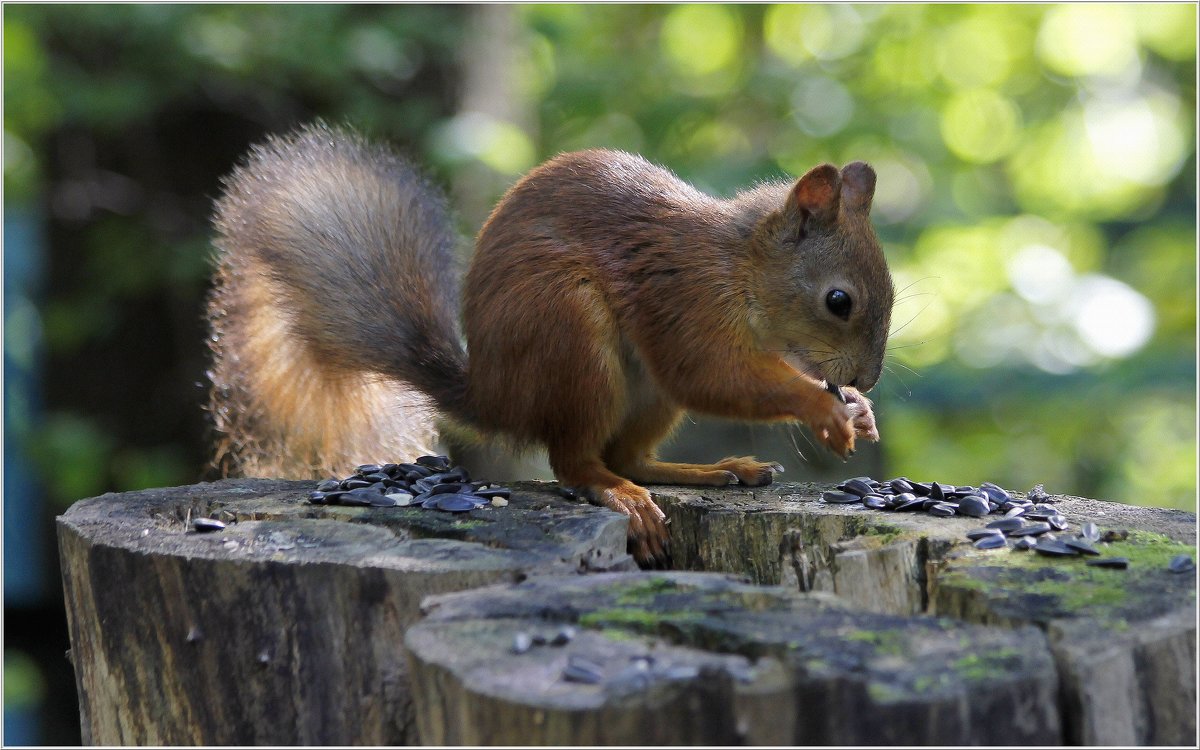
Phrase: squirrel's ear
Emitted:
{"points": [[858, 186], [815, 195]]}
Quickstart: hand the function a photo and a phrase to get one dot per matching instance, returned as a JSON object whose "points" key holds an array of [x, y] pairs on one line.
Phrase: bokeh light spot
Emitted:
{"points": [[1088, 39], [981, 125], [700, 40], [1112, 318], [821, 106], [974, 53]]}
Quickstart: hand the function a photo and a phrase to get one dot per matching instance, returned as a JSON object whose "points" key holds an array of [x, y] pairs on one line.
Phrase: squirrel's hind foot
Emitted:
{"points": [[649, 541]]}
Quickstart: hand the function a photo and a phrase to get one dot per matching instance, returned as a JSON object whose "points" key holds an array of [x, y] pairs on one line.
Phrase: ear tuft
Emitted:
{"points": [[816, 194], [858, 186]]}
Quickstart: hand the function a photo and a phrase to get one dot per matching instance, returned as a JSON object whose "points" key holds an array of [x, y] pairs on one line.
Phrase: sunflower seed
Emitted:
{"points": [[582, 670], [521, 643], [1081, 545], [1031, 529], [437, 463], [205, 525], [874, 502], [1181, 564], [839, 498], [992, 541], [1110, 562], [563, 636], [836, 391], [1054, 548], [362, 496], [1059, 522], [1006, 524], [855, 486], [976, 534], [455, 503], [973, 506], [446, 488], [995, 492]]}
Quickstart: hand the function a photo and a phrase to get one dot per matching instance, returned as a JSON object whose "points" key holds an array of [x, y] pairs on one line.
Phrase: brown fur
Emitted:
{"points": [[334, 304], [604, 299]]}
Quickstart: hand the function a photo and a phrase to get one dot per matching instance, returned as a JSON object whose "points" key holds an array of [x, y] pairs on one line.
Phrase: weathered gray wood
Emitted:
{"points": [[732, 664], [1125, 641], [286, 627]]}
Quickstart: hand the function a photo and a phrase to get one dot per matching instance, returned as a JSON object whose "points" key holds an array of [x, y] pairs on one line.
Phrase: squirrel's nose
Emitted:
{"points": [[853, 383]]}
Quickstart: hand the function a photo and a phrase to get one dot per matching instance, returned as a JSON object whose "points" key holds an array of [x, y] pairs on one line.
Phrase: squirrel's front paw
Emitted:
{"points": [[832, 426], [861, 415]]}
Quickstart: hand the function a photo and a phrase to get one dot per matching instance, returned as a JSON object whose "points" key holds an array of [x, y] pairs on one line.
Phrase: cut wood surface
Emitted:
{"points": [[689, 658], [297, 623]]}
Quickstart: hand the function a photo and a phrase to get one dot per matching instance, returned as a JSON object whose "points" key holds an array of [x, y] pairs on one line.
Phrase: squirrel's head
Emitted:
{"points": [[827, 292]]}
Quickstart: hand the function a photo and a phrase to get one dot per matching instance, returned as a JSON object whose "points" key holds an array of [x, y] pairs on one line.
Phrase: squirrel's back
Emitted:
{"points": [[335, 293]]}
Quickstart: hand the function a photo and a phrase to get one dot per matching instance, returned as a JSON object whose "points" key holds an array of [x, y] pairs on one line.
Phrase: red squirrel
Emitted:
{"points": [[605, 298]]}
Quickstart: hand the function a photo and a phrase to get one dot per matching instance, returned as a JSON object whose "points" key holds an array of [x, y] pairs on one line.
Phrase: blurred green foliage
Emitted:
{"points": [[1036, 192], [23, 683]]}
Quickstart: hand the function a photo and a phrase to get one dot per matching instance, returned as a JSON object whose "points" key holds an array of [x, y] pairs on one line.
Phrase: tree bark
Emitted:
{"points": [[303, 624]]}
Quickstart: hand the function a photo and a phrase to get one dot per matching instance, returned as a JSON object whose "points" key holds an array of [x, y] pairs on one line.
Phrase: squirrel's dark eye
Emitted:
{"points": [[839, 303]]}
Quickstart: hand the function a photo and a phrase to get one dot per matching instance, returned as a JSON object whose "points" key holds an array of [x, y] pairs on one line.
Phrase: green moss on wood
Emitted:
{"points": [[1051, 587], [637, 619], [886, 642]]}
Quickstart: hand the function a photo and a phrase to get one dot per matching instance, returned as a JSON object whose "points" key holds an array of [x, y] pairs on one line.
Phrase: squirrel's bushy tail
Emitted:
{"points": [[334, 314]]}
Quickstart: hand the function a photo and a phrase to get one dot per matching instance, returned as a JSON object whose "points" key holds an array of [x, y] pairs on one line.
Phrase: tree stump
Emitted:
{"points": [[303, 624], [687, 658], [287, 626]]}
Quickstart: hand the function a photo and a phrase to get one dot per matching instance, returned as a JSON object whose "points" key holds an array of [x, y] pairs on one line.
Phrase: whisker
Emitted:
{"points": [[914, 317], [907, 390], [918, 281], [804, 434], [914, 295], [906, 346], [791, 433], [906, 367]]}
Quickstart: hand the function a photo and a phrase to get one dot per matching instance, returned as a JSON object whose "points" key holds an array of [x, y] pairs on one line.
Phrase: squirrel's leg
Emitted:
{"points": [[575, 413], [762, 386], [631, 454], [578, 467]]}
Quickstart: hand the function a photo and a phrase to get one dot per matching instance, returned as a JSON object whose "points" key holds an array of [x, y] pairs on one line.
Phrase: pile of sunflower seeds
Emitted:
{"points": [[1027, 523], [430, 482]]}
